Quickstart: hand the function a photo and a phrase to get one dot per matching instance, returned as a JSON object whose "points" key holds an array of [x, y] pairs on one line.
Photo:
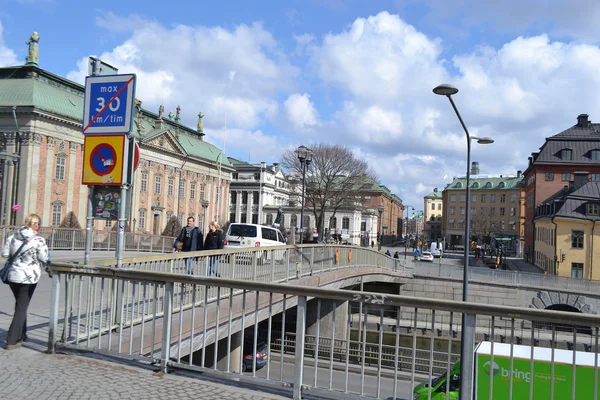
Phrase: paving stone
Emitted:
{"points": [[31, 374]]}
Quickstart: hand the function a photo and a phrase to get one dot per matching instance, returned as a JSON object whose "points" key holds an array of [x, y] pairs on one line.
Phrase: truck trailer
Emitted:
{"points": [[572, 369]]}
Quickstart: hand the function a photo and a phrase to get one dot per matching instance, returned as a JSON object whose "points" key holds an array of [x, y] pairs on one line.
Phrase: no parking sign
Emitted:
{"points": [[103, 160]]}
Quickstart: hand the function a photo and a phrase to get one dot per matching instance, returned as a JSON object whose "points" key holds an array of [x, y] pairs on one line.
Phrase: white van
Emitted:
{"points": [[436, 250], [252, 235]]}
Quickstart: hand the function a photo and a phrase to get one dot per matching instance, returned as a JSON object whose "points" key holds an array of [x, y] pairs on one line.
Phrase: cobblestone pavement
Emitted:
{"points": [[28, 373]]}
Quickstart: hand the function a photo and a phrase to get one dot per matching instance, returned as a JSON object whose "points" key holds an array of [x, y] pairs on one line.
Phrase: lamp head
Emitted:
{"points": [[445, 89], [483, 140], [380, 209]]}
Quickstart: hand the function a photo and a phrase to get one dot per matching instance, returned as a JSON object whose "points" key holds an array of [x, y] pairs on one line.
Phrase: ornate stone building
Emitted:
{"points": [[41, 157]]}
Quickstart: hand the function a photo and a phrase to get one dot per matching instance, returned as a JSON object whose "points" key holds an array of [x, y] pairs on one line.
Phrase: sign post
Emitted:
{"points": [[107, 119]]}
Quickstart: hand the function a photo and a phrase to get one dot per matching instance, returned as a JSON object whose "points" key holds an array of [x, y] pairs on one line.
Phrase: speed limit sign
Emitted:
{"points": [[108, 104]]}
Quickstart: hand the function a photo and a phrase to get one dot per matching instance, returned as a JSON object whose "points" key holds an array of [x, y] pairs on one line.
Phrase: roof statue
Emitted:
{"points": [[33, 57], [178, 114], [200, 127], [171, 115], [161, 111]]}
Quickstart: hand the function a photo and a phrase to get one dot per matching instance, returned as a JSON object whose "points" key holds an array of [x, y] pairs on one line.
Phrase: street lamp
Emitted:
{"points": [[406, 207], [305, 157], [263, 165], [380, 209], [468, 320]]}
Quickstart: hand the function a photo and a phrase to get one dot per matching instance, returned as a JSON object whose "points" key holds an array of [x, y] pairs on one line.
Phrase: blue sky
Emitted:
{"points": [[271, 75]]}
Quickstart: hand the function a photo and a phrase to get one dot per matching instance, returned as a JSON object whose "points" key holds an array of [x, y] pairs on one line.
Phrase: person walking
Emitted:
{"points": [[190, 239], [28, 253], [214, 241]]}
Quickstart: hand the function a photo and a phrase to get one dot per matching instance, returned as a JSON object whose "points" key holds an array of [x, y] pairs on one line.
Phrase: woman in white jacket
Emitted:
{"points": [[24, 274]]}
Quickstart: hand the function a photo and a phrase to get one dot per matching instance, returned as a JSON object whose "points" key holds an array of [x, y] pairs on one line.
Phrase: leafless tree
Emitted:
{"points": [[333, 179], [483, 224]]}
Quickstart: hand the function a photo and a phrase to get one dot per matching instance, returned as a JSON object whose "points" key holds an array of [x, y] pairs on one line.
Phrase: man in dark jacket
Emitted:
{"points": [[191, 238]]}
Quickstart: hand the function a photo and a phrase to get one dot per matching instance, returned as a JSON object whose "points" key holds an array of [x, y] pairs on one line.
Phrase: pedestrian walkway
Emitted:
{"points": [[28, 373]]}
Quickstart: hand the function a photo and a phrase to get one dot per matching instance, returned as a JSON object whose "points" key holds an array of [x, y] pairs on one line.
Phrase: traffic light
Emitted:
{"points": [[555, 258], [563, 256]]}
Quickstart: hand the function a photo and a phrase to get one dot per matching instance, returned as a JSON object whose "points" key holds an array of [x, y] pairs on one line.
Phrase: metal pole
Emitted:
{"points": [[303, 163], [89, 226], [16, 167], [122, 221], [468, 320], [380, 230]]}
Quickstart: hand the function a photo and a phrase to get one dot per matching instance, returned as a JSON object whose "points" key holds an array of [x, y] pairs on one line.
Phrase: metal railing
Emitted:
{"points": [[74, 239], [220, 335]]}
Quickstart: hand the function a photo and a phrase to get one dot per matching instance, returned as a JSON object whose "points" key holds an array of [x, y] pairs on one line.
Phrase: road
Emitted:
{"points": [[403, 384]]}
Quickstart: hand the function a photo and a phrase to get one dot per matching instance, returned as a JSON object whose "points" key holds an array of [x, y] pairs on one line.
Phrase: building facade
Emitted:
{"points": [[179, 174], [551, 169], [567, 238], [432, 210], [494, 211]]}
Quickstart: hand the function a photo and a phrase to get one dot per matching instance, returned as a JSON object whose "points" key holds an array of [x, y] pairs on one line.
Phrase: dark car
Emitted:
{"points": [[261, 355]]}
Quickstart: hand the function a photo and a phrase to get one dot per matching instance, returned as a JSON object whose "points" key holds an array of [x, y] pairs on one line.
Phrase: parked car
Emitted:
{"points": [[252, 235], [427, 256], [262, 355]]}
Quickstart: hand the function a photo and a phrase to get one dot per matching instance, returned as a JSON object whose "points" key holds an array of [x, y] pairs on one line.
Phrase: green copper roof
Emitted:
{"points": [[434, 195], [42, 95], [485, 183]]}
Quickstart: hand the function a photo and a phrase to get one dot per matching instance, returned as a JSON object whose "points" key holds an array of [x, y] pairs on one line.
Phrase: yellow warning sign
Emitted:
{"points": [[104, 160]]}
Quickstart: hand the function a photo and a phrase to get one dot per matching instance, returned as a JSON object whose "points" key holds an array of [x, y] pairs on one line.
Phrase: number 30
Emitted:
{"points": [[114, 105]]}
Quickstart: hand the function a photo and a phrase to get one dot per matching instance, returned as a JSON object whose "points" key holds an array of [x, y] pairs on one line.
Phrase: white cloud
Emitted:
{"points": [[233, 76], [301, 112], [7, 56]]}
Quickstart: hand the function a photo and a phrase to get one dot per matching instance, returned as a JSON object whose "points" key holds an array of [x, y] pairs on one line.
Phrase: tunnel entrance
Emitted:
{"points": [[564, 327]]}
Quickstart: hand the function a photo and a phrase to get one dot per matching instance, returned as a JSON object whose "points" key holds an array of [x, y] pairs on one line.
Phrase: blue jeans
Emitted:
{"points": [[189, 265], [213, 266]]}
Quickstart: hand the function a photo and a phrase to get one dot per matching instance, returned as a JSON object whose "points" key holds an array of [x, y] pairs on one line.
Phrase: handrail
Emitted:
{"points": [[332, 294]]}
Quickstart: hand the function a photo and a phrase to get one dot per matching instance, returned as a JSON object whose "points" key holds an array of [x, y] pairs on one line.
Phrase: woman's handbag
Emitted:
{"points": [[4, 272]]}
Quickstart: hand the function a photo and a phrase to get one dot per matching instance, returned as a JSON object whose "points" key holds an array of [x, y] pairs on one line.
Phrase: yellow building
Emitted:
{"points": [[433, 211], [566, 230], [495, 211]]}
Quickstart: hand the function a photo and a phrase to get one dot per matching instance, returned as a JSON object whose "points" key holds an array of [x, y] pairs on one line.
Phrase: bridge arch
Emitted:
{"points": [[549, 300]]}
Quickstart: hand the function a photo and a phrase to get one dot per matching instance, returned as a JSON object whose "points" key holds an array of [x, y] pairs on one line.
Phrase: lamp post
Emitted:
{"points": [[263, 165], [380, 209], [305, 157], [406, 207], [468, 320]]}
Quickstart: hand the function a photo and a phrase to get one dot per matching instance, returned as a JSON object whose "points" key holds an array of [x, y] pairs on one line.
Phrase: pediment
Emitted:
{"points": [[164, 141]]}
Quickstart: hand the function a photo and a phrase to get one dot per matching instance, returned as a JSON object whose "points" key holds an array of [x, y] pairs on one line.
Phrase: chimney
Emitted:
{"points": [[581, 178], [519, 172], [434, 190], [474, 168], [582, 120]]}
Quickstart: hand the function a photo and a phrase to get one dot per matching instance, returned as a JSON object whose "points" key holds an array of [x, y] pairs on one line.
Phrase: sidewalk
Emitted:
{"points": [[28, 373]]}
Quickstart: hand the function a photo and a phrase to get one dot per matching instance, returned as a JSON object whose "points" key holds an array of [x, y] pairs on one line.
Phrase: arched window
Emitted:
{"points": [[458, 185], [142, 222], [595, 154], [294, 220], [501, 185], [475, 185], [345, 223], [488, 185], [59, 171], [333, 223]]}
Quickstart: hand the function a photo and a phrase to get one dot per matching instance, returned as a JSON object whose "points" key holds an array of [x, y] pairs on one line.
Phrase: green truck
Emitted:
{"points": [[497, 373]]}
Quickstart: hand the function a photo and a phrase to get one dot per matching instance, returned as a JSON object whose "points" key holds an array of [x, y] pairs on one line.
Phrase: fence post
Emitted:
{"points": [[300, 342], [54, 306], [52, 239], [254, 262], [73, 240], [167, 319]]}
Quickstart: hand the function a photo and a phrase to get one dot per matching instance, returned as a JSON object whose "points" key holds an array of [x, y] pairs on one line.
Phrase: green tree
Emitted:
{"points": [[173, 228], [70, 221]]}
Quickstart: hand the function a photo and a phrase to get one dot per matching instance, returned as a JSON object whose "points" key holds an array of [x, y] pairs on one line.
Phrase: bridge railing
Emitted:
{"points": [[509, 277], [74, 239], [276, 264], [221, 337]]}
